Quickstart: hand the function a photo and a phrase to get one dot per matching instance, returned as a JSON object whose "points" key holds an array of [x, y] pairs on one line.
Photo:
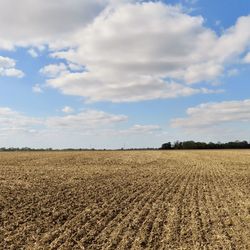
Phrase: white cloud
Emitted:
{"points": [[128, 61], [212, 114], [233, 72], [88, 120], [218, 22], [12, 72], [67, 109], [13, 121], [75, 67], [75, 130], [199, 72], [40, 22], [140, 129], [6, 62], [83, 129], [7, 68], [136, 89], [54, 70], [33, 53], [37, 88], [125, 50], [247, 58], [191, 1], [233, 42]]}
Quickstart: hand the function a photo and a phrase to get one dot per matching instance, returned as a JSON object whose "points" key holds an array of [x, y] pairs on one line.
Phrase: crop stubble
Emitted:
{"points": [[125, 200]]}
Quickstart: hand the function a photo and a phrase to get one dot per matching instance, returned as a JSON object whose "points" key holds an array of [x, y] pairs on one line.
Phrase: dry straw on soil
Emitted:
{"points": [[125, 200]]}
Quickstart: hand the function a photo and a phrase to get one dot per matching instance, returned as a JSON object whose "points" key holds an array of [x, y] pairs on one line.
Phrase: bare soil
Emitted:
{"points": [[125, 200]]}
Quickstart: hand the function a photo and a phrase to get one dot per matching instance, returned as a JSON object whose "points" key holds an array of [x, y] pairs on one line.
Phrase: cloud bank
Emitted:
{"points": [[122, 51], [148, 51], [209, 115]]}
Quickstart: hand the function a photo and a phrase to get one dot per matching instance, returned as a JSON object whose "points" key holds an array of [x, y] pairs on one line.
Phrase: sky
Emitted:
{"points": [[123, 73]]}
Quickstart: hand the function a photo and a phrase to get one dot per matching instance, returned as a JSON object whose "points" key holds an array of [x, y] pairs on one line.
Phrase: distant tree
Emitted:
{"points": [[178, 145], [189, 145], [166, 145]]}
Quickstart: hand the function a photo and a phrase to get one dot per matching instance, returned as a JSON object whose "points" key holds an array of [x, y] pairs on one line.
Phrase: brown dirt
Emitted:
{"points": [[125, 200]]}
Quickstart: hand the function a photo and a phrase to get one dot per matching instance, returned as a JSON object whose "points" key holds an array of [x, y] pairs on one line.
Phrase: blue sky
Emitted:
{"points": [[118, 73]]}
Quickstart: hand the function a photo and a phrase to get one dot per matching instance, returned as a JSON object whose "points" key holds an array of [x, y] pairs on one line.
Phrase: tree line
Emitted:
{"points": [[164, 146], [42, 149], [204, 145], [24, 149]]}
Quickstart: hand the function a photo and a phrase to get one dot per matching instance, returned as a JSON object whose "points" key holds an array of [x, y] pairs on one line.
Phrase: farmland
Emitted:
{"points": [[125, 200]]}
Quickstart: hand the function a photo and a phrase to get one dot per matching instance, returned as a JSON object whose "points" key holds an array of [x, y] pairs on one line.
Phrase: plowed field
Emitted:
{"points": [[125, 200]]}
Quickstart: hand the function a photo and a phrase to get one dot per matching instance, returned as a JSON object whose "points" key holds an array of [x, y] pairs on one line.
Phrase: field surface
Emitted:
{"points": [[125, 200]]}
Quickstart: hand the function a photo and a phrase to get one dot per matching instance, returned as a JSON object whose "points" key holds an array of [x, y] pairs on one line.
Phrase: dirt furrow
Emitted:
{"points": [[150, 232]]}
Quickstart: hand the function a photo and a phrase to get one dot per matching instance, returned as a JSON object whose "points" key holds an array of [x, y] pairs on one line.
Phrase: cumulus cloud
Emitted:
{"points": [[7, 68], [247, 58], [6, 62], [67, 109], [11, 120], [87, 123], [233, 72], [54, 70], [136, 89], [88, 120], [37, 88], [33, 53], [140, 129], [68, 130], [24, 23], [233, 42], [122, 50], [147, 51], [191, 1], [213, 114], [75, 67]]}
